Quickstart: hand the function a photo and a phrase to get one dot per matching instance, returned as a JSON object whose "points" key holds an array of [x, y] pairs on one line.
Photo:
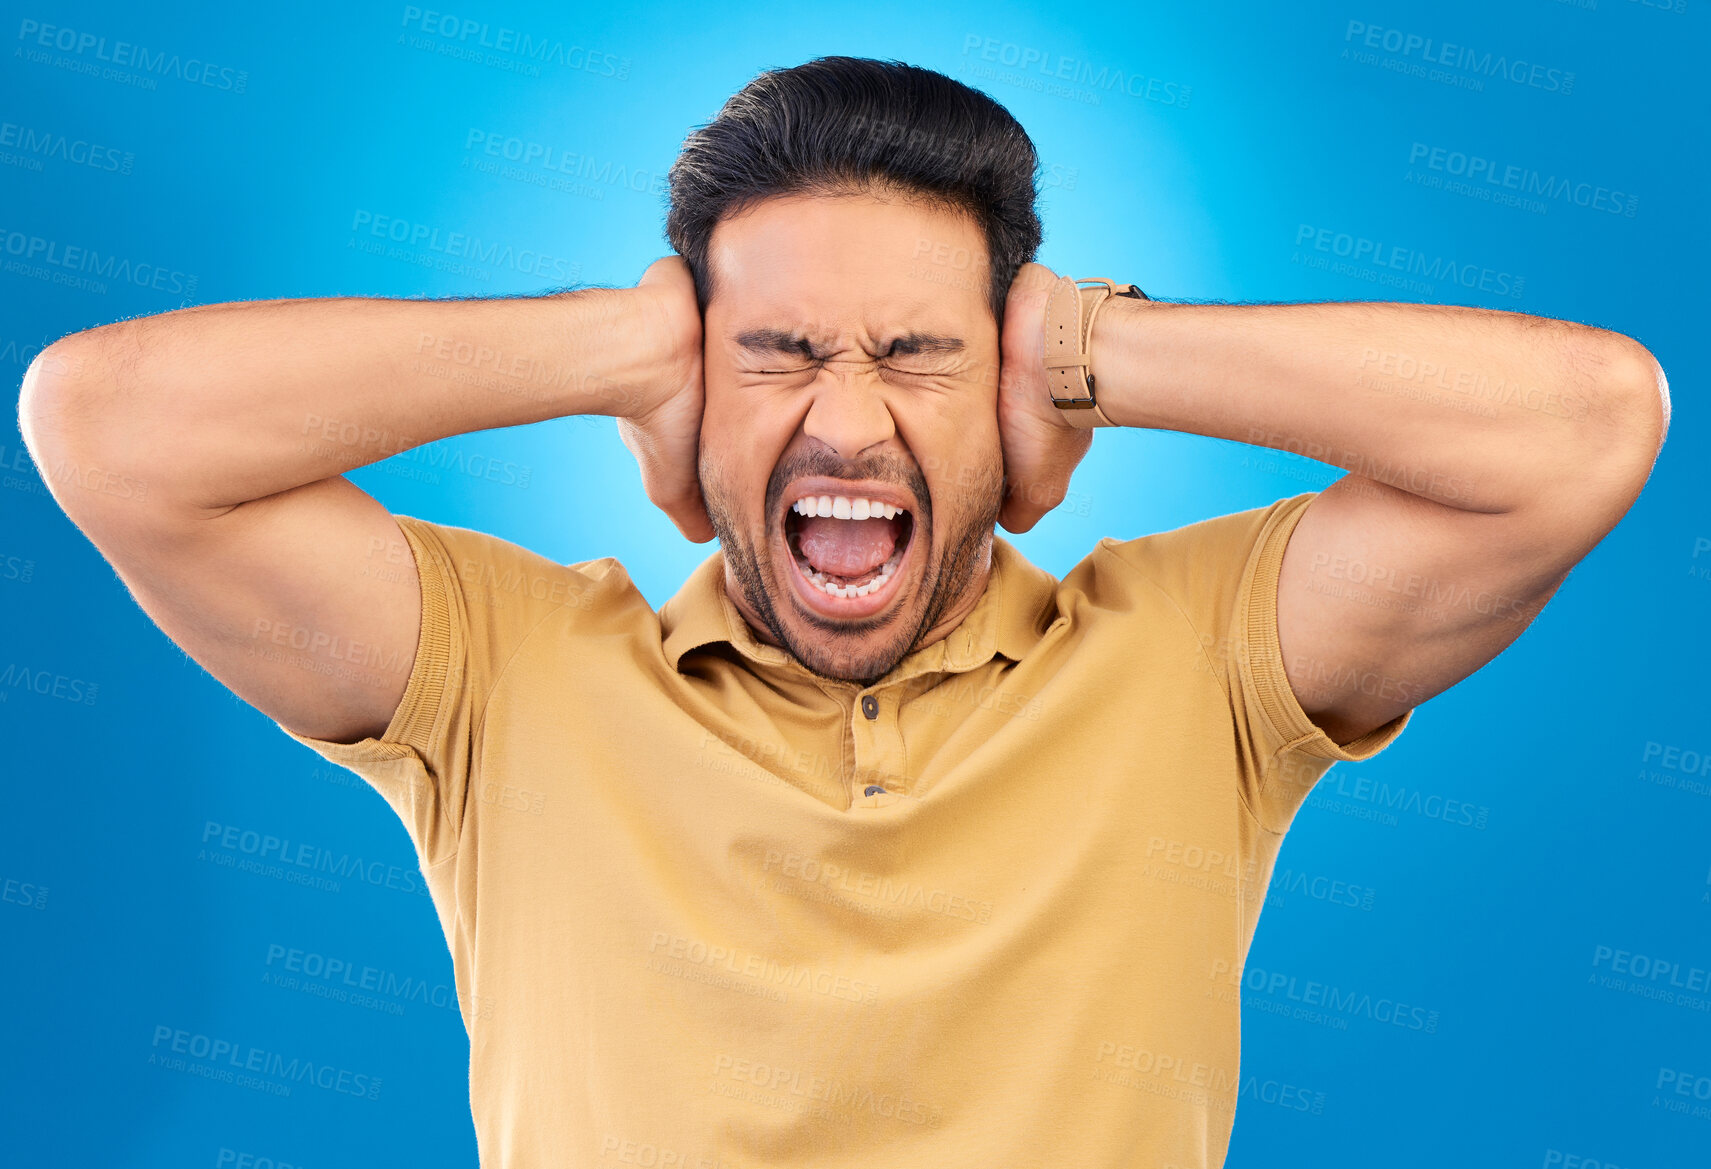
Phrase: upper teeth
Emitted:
{"points": [[842, 507]]}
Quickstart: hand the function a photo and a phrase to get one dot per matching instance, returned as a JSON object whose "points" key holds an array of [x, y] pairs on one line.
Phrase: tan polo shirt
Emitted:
{"points": [[709, 911]]}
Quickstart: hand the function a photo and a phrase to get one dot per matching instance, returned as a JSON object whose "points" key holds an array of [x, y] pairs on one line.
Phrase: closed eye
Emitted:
{"points": [[912, 354], [930, 363], [920, 361], [922, 345], [774, 344]]}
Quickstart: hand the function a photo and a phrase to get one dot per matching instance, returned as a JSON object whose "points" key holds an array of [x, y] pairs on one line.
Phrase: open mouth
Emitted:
{"points": [[848, 549]]}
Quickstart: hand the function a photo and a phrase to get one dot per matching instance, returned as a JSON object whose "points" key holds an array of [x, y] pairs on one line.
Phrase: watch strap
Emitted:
{"points": [[1070, 313]]}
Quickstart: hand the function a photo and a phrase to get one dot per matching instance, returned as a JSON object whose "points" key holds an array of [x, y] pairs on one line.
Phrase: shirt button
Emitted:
{"points": [[873, 789], [870, 706]]}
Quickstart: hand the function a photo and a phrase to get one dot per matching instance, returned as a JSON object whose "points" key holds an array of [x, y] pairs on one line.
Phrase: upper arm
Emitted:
{"points": [[306, 603], [1386, 599]]}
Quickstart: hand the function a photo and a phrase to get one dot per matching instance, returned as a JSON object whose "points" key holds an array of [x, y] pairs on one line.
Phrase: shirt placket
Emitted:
{"points": [[880, 775]]}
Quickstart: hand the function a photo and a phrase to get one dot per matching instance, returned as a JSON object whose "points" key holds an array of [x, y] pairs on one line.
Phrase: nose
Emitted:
{"points": [[849, 413]]}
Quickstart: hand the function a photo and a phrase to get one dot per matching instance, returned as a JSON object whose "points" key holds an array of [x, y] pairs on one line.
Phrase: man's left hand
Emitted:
{"points": [[1041, 450]]}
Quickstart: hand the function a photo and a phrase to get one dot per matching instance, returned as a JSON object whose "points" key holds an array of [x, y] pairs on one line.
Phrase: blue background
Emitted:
{"points": [[1231, 130]]}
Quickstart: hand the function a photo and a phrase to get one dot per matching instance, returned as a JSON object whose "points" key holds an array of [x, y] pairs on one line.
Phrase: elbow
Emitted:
{"points": [[1642, 381], [60, 410], [1632, 418], [48, 383]]}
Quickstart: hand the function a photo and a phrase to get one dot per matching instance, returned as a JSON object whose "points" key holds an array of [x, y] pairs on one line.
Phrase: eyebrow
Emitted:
{"points": [[784, 341]]}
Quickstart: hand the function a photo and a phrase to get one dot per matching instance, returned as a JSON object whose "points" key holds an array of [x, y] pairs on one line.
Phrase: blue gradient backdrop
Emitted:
{"points": [[1549, 904]]}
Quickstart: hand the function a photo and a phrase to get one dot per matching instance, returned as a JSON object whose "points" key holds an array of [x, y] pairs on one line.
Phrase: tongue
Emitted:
{"points": [[846, 547]]}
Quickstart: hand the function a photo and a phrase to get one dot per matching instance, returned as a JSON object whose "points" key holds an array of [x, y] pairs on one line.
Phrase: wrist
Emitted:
{"points": [[1113, 349], [622, 352], [661, 334]]}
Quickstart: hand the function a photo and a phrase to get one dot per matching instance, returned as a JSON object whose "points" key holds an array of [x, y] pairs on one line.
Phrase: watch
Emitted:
{"points": [[1070, 310]]}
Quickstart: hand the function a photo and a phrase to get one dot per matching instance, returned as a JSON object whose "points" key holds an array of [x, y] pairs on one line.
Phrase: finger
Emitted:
{"points": [[664, 270], [1033, 280], [1031, 284]]}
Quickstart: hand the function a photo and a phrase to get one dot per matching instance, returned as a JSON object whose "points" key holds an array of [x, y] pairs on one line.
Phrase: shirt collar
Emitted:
{"points": [[1013, 612]]}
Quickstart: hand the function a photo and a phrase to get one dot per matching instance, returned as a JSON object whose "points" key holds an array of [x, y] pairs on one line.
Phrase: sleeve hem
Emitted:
{"points": [[412, 724], [1277, 702]]}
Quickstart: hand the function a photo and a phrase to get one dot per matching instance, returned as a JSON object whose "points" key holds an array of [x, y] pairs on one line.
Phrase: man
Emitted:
{"points": [[876, 845]]}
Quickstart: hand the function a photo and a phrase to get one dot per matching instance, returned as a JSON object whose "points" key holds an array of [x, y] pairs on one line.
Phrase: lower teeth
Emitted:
{"points": [[822, 582]]}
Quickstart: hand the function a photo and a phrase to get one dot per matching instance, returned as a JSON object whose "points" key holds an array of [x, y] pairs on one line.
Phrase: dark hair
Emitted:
{"points": [[838, 125]]}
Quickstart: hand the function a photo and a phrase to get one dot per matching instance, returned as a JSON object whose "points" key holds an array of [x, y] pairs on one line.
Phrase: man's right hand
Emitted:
{"points": [[662, 423]]}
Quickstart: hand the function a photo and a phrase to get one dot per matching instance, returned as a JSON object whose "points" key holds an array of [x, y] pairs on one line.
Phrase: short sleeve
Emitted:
{"points": [[481, 598], [1223, 576]]}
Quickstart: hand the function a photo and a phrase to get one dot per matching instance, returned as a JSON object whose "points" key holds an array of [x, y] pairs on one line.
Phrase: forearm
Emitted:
{"points": [[214, 406], [1477, 410]]}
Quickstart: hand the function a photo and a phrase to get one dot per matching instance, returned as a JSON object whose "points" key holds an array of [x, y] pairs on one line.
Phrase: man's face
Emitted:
{"points": [[840, 363]]}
